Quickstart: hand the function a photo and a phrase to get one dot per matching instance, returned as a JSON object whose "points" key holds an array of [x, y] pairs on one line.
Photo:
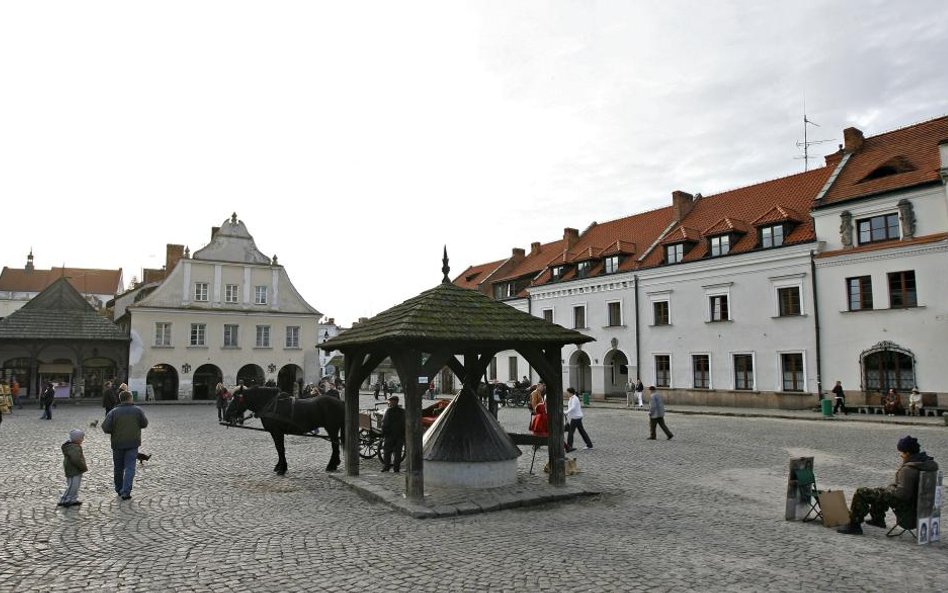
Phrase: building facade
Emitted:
{"points": [[759, 296], [228, 314]]}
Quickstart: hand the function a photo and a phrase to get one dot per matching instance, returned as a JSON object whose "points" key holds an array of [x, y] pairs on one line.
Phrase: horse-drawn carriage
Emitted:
{"points": [[370, 427]]}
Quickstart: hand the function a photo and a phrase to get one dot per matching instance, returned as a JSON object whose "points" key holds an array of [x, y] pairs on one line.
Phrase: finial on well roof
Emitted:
{"points": [[445, 268]]}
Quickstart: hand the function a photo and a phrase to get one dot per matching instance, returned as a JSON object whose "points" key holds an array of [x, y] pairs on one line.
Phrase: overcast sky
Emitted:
{"points": [[356, 139]]}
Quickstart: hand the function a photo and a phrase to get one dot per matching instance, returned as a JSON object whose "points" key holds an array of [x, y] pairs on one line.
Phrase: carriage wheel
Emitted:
{"points": [[369, 445]]}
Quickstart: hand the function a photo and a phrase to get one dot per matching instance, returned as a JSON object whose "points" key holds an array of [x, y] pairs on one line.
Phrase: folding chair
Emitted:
{"points": [[806, 486]]}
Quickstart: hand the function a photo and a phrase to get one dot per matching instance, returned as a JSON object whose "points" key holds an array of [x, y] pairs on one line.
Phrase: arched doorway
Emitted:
{"points": [[250, 375], [580, 374], [205, 380], [162, 379], [290, 379], [615, 369], [887, 365], [95, 372]]}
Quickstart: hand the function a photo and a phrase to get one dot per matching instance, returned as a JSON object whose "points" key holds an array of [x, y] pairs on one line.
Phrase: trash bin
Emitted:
{"points": [[135, 396], [827, 405], [585, 398]]}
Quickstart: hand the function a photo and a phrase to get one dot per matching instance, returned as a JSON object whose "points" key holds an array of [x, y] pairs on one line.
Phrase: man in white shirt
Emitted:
{"points": [[574, 413]]}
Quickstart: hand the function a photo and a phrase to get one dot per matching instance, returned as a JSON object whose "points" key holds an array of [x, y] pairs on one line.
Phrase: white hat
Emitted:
{"points": [[75, 434]]}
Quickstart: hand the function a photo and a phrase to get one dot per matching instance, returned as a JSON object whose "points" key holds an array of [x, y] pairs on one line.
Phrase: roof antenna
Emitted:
{"points": [[444, 267], [805, 145]]}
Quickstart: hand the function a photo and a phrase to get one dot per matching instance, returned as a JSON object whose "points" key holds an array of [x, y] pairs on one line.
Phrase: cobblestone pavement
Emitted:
{"points": [[702, 512]]}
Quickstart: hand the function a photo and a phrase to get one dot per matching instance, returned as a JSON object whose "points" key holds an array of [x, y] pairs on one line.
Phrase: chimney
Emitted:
{"points": [[853, 139], [173, 253], [571, 236], [517, 254], [332, 321], [534, 248], [682, 202], [214, 230]]}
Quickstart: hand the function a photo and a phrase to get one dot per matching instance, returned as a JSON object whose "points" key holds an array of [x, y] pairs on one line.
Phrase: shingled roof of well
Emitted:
{"points": [[466, 431], [450, 314], [59, 313]]}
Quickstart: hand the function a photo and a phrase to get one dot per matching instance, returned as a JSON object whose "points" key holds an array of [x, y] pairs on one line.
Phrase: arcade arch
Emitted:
{"points": [[162, 379], [205, 380]]}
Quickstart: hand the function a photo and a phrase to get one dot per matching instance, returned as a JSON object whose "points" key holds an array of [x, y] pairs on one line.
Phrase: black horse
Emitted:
{"points": [[282, 414]]}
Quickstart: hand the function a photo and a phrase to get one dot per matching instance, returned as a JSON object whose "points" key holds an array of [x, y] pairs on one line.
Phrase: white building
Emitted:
{"points": [[882, 275], [226, 314], [755, 296]]}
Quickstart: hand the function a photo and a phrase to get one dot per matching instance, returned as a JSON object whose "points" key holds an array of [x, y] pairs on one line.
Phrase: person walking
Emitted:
{"points": [[574, 413], [125, 423], [393, 435], [840, 397], [223, 398], [639, 392], [46, 400], [378, 387], [109, 397], [74, 465], [15, 392], [656, 414]]}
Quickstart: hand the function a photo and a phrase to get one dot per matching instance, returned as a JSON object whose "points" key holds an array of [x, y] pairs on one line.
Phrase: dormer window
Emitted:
{"points": [[674, 253], [611, 264], [557, 272], [893, 166], [582, 269], [771, 236], [504, 290], [720, 245]]}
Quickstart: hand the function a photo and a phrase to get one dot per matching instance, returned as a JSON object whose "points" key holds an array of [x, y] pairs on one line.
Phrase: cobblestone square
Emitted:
{"points": [[703, 512]]}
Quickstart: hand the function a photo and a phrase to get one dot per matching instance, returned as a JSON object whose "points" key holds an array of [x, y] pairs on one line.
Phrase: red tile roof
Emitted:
{"points": [[85, 281], [753, 203], [914, 147], [474, 275]]}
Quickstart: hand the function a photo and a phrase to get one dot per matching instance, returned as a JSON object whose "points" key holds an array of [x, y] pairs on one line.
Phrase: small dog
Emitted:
{"points": [[142, 458], [94, 423]]}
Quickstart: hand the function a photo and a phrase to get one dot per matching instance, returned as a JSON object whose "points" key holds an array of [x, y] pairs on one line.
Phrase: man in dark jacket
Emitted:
{"points": [[901, 495], [125, 423], [109, 397], [393, 434], [46, 400]]}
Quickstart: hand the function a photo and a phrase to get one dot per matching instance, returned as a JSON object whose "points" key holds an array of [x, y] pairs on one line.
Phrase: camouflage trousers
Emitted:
{"points": [[875, 502]]}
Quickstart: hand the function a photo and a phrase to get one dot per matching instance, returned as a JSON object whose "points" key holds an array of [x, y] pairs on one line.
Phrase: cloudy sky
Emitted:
{"points": [[356, 139]]}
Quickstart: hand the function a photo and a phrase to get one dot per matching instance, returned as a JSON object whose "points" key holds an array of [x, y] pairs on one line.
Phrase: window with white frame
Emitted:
{"points": [[263, 336], [260, 295], [718, 302], [557, 272], [512, 370], [231, 335], [162, 333], [718, 307], [198, 334], [200, 291], [611, 264], [579, 317], [293, 336], [661, 313], [744, 371], [230, 293], [548, 315], [791, 369], [788, 295], [701, 370], [614, 310], [662, 370], [674, 253]]}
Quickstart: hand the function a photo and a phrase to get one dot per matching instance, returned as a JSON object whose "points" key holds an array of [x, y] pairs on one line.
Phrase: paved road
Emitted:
{"points": [[703, 512]]}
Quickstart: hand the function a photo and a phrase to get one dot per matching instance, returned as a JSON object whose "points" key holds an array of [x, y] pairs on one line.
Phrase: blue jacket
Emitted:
{"points": [[125, 423]]}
